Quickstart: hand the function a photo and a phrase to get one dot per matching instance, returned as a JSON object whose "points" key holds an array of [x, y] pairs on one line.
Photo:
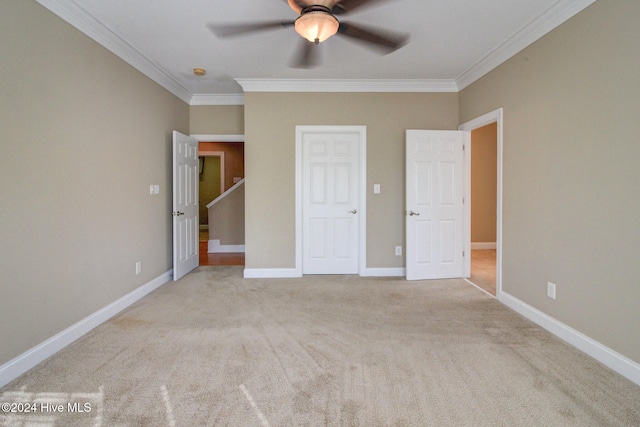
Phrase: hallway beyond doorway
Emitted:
{"points": [[226, 258], [483, 269], [223, 258]]}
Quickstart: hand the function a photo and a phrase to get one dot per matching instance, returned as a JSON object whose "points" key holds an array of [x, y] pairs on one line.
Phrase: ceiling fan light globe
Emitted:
{"points": [[316, 26]]}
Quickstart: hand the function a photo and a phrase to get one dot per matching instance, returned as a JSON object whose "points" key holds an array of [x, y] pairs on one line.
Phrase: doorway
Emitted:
{"points": [[484, 161], [222, 162], [211, 185], [483, 206]]}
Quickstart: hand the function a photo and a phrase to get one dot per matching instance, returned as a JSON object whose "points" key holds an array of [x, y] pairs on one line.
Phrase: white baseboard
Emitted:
{"points": [[271, 273], [608, 357], [214, 247], [281, 273], [483, 245], [21, 364], [384, 272]]}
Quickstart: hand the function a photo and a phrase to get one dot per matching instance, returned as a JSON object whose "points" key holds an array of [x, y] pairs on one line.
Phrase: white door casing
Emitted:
{"points": [[435, 222], [185, 204], [330, 199]]}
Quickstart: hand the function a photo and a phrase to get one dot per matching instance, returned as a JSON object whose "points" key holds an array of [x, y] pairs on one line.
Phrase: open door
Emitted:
{"points": [[435, 224], [185, 204]]}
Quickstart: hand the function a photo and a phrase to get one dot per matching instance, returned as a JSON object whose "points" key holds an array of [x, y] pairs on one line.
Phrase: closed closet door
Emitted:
{"points": [[330, 202]]}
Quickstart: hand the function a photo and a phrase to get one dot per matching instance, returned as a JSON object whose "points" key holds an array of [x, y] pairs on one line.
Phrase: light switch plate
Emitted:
{"points": [[551, 290]]}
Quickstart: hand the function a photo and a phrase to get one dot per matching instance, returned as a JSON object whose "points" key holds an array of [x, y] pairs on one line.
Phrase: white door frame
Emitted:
{"points": [[495, 116], [218, 138], [362, 210]]}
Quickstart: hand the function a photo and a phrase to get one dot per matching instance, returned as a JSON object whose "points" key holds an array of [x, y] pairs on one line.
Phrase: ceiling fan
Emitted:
{"points": [[317, 21]]}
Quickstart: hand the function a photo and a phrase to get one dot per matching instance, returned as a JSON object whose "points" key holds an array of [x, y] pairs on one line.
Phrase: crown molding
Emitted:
{"points": [[219, 99], [360, 85], [75, 15], [553, 17]]}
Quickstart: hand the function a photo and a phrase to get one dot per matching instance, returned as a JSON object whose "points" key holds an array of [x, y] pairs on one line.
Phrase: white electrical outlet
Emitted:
{"points": [[398, 250], [376, 188], [138, 267], [551, 290]]}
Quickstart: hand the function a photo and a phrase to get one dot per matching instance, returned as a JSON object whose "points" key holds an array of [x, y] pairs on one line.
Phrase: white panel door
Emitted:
{"points": [[435, 209], [330, 205], [185, 204]]}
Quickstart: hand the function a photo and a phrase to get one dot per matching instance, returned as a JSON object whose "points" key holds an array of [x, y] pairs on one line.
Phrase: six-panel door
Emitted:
{"points": [[185, 204], [434, 204], [330, 179]]}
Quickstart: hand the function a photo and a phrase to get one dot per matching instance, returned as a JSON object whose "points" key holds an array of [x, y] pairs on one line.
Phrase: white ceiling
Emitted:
{"points": [[452, 42]]}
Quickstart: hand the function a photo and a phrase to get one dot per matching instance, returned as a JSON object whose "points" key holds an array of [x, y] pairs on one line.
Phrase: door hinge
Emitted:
{"points": [[462, 254]]}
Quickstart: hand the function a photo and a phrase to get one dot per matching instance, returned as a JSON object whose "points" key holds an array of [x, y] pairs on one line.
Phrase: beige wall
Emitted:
{"points": [[572, 171], [484, 185], [83, 136], [270, 122], [226, 218], [216, 120]]}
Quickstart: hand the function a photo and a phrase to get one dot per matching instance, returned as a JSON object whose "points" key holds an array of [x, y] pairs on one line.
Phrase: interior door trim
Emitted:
{"points": [[362, 212]]}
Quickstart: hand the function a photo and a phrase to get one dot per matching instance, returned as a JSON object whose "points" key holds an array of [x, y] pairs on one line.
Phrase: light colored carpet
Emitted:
{"points": [[214, 349]]}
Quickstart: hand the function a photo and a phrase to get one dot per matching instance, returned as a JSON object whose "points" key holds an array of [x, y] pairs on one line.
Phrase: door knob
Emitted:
{"points": [[177, 213], [412, 213], [353, 211]]}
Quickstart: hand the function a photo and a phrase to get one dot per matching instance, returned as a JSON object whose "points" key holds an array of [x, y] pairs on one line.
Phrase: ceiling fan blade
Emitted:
{"points": [[298, 5], [301, 4], [307, 56], [343, 6], [386, 41], [231, 30]]}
